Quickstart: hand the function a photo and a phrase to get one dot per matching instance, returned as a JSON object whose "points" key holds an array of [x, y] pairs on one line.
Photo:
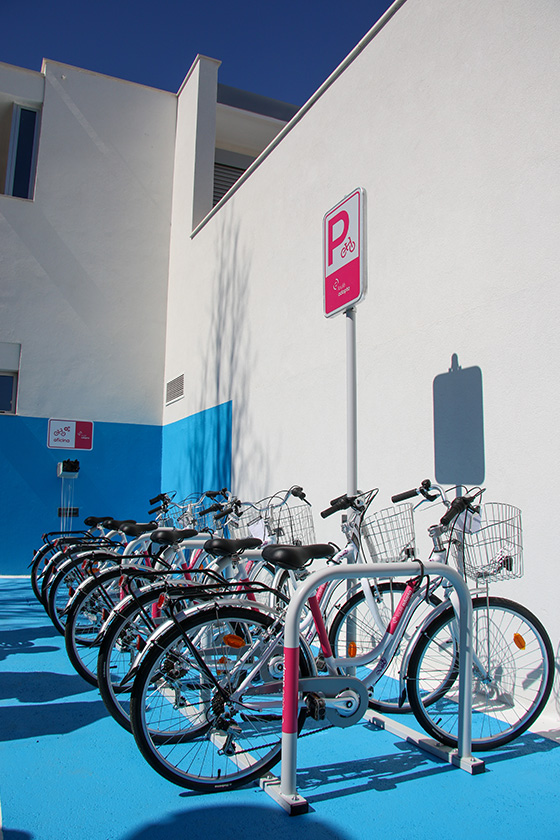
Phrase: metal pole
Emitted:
{"points": [[351, 403]]}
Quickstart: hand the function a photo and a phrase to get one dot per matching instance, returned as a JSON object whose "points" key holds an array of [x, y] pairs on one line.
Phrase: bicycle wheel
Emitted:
{"points": [[354, 623], [40, 561], [54, 563], [88, 613], [195, 716], [124, 637], [513, 671], [67, 580]]}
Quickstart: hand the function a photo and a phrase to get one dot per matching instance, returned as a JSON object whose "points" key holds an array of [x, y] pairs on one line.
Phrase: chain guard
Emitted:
{"points": [[333, 687]]}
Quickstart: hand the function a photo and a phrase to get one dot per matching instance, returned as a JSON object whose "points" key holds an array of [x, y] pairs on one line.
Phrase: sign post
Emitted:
{"points": [[344, 286]]}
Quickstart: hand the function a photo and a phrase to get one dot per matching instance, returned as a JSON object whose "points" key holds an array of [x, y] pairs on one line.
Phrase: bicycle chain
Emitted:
{"points": [[304, 735]]}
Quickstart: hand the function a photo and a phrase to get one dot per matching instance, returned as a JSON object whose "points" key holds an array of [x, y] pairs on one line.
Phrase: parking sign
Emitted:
{"points": [[344, 263]]}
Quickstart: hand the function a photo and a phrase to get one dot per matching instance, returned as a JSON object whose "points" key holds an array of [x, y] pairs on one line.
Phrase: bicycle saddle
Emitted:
{"points": [[116, 524], [171, 536], [296, 556], [136, 529], [221, 547], [90, 521]]}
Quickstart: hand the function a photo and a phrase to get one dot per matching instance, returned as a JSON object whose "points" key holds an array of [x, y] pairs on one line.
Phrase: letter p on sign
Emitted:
{"points": [[344, 263], [335, 221]]}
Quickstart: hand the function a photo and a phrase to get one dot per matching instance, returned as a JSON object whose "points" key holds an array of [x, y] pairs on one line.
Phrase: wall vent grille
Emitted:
{"points": [[224, 178], [67, 512], [175, 389]]}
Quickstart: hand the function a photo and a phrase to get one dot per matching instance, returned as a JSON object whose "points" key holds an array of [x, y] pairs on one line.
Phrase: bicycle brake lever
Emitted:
{"points": [[428, 496]]}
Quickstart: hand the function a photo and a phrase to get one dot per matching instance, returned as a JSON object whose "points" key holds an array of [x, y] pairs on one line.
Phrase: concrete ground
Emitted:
{"points": [[69, 772]]}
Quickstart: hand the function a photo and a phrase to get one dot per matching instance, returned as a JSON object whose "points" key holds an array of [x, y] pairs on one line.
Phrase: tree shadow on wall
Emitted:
{"points": [[228, 440]]}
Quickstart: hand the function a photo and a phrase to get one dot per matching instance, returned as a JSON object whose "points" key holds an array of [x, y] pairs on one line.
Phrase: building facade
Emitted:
{"points": [[163, 278]]}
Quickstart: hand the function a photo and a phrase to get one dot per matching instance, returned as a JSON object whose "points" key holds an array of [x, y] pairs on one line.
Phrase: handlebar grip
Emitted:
{"points": [[156, 499], [402, 497], [210, 509], [154, 510], [457, 506], [225, 512], [337, 504]]}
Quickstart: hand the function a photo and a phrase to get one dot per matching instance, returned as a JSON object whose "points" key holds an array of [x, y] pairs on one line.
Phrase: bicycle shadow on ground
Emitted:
{"points": [[33, 721], [252, 822], [23, 641], [407, 764], [14, 834], [40, 686], [530, 743], [380, 773]]}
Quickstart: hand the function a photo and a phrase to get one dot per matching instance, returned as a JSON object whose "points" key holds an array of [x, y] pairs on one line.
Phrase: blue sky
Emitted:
{"points": [[283, 50]]}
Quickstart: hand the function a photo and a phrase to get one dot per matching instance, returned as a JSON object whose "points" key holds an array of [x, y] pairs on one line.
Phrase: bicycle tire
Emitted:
{"points": [[40, 560], [516, 654], [191, 732], [55, 563], [67, 580], [88, 613], [387, 690], [123, 638], [48, 573]]}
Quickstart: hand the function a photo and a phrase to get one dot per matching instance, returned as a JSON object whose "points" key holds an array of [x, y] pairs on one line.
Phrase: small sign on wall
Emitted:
{"points": [[70, 434]]}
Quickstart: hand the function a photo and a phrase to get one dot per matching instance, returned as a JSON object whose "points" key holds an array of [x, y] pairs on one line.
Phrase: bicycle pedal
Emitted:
{"points": [[320, 663], [316, 706]]}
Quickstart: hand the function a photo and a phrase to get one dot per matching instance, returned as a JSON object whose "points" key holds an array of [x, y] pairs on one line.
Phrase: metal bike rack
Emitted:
{"points": [[284, 790]]}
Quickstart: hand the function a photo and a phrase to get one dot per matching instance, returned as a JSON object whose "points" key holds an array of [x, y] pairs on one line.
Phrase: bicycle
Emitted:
{"points": [[205, 703], [513, 659], [232, 649], [139, 614], [103, 533]]}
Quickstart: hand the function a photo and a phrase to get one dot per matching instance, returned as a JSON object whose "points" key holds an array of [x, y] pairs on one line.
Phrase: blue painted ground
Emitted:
{"points": [[68, 772]]}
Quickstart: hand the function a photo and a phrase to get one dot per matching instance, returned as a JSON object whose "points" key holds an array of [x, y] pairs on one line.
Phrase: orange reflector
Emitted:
{"points": [[231, 640], [519, 641], [352, 649]]}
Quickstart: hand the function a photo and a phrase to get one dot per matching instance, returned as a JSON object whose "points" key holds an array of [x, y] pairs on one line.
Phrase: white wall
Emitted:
{"points": [[449, 120], [84, 266]]}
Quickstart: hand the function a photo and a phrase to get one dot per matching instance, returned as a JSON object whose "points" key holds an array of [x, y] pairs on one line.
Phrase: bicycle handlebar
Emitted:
{"points": [[212, 509], [402, 497], [341, 503], [418, 491], [226, 511], [454, 508], [161, 498]]}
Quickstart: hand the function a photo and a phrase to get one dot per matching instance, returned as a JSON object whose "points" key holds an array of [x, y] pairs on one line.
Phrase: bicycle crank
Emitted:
{"points": [[342, 700]]}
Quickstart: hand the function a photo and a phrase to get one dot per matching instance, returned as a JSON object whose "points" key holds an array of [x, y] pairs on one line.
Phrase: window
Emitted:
{"points": [[8, 391], [19, 131], [9, 372]]}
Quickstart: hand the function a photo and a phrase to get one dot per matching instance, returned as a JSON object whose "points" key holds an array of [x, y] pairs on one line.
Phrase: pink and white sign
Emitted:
{"points": [[344, 254], [70, 434]]}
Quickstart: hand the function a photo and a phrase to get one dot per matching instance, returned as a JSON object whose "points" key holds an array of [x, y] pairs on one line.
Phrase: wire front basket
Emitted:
{"points": [[389, 534], [290, 525], [495, 550]]}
